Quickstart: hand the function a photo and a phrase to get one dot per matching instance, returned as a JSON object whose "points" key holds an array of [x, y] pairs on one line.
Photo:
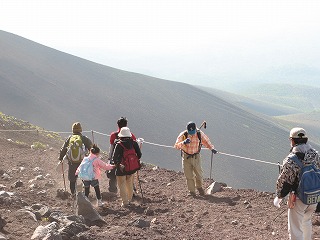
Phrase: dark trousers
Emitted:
{"points": [[112, 180]]}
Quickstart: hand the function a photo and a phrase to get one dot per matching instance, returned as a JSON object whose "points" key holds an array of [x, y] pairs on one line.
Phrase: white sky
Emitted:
{"points": [[167, 38]]}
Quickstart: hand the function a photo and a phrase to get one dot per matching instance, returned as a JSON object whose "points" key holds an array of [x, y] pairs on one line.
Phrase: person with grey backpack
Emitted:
{"points": [[294, 181]]}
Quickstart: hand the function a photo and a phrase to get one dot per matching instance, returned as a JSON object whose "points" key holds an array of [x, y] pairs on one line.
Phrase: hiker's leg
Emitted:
{"points": [[72, 177], [129, 184], [97, 190], [72, 187], [197, 167], [307, 221], [112, 181], [188, 172], [86, 185], [121, 180], [295, 218]]}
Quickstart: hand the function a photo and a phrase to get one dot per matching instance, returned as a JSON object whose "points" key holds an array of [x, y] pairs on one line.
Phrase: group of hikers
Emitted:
{"points": [[124, 160]]}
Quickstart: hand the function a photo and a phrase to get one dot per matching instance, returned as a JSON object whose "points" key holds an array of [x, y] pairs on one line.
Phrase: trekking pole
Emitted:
{"points": [[140, 187], [64, 180], [139, 178], [204, 125], [92, 136], [211, 165], [279, 214]]}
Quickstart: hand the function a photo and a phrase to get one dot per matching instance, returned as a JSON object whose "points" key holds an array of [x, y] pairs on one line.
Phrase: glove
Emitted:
{"points": [[214, 151], [277, 201], [187, 141]]}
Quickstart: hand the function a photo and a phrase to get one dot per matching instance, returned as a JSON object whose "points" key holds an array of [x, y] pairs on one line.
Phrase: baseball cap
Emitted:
{"points": [[191, 127], [298, 132]]}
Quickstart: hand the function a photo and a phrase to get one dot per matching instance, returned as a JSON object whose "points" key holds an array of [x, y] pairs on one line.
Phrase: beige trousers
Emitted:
{"points": [[193, 171], [299, 221], [125, 185]]}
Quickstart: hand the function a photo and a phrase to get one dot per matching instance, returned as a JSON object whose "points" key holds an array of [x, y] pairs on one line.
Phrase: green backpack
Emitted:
{"points": [[75, 151]]}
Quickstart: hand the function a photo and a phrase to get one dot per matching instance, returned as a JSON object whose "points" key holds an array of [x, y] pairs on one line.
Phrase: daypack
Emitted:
{"points": [[75, 150], [185, 136], [130, 160], [309, 182], [86, 169]]}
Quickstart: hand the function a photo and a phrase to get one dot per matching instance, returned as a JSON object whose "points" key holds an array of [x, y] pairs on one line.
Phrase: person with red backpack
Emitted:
{"points": [[126, 156], [122, 122]]}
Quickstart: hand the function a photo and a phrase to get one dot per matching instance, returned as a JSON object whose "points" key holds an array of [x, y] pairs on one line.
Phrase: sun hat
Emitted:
{"points": [[125, 132], [298, 132], [191, 127]]}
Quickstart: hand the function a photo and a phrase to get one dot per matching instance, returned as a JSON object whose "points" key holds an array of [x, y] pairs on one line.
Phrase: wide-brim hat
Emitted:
{"points": [[125, 132]]}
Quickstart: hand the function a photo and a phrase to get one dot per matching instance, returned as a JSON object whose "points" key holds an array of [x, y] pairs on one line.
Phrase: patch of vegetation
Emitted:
{"points": [[39, 145]]}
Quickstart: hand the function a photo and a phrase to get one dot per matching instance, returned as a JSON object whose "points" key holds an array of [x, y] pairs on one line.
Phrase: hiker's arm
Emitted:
{"points": [[287, 180], [179, 142], [117, 154], [87, 142], [137, 149], [63, 149]]}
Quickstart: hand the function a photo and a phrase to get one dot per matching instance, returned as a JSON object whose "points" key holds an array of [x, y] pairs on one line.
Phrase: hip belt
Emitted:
{"points": [[191, 155]]}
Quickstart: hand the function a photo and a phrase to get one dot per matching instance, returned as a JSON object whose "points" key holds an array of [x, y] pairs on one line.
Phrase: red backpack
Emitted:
{"points": [[130, 160]]}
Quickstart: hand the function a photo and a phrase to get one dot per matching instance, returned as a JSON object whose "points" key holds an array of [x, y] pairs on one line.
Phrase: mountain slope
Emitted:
{"points": [[53, 89]]}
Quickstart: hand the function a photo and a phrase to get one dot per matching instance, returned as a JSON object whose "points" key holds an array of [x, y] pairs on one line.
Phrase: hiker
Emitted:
{"points": [[92, 178], [189, 142], [122, 122], [125, 178], [299, 213], [67, 152]]}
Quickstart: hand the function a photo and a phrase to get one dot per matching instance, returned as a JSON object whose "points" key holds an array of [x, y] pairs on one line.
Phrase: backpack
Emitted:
{"points": [[75, 150], [130, 160], [309, 182], [185, 135], [86, 169]]}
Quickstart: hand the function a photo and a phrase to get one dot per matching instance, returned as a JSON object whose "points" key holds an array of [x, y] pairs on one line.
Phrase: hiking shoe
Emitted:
{"points": [[191, 194], [100, 203], [73, 196], [201, 191]]}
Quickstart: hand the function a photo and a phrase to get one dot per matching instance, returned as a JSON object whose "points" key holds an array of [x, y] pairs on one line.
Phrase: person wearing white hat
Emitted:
{"points": [[299, 213], [125, 179]]}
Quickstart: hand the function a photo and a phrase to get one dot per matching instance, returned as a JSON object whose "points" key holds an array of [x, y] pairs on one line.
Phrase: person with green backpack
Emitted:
{"points": [[74, 150]]}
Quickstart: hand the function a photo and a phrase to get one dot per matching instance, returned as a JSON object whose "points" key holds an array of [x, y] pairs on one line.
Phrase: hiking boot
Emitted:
{"points": [[73, 196], [100, 203], [201, 191], [191, 194]]}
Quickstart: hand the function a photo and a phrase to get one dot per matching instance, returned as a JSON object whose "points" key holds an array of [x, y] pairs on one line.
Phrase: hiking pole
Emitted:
{"points": [[211, 165], [92, 136], [140, 187], [137, 173], [204, 125], [279, 214], [64, 179]]}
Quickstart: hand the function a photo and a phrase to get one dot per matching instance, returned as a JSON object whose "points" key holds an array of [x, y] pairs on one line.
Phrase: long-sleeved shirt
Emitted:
{"points": [[289, 177], [193, 146], [97, 165]]}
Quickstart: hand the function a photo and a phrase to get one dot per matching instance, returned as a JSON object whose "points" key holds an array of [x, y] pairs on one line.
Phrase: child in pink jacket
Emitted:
{"points": [[97, 165]]}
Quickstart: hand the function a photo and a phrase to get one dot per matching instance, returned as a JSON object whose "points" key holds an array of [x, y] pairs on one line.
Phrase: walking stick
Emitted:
{"points": [[211, 165], [64, 180], [138, 179]]}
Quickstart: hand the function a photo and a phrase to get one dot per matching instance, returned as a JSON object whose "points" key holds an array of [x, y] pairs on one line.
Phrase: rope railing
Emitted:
{"points": [[141, 140]]}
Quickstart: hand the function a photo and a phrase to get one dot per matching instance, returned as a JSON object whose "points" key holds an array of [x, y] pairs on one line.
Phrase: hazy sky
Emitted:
{"points": [[175, 39]]}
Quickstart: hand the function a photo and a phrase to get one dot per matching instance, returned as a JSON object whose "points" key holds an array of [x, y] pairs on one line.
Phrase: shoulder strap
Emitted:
{"points": [[121, 144], [295, 158]]}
